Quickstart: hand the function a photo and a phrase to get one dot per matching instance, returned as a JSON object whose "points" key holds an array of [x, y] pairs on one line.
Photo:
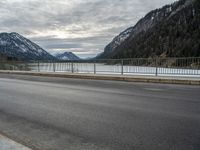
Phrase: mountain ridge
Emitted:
{"points": [[67, 56], [14, 45], [141, 41]]}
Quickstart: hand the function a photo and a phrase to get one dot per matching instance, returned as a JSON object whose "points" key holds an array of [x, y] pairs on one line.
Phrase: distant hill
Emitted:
{"points": [[171, 31], [17, 46], [67, 56]]}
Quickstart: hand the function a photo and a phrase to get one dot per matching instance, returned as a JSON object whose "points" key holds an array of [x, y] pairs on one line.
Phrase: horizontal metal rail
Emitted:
{"points": [[144, 66]]}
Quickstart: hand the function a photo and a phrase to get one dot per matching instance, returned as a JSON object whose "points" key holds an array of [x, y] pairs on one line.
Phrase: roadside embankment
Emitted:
{"points": [[128, 78]]}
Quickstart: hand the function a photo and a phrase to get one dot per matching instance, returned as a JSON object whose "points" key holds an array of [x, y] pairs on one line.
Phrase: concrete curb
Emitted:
{"points": [[147, 79], [8, 144]]}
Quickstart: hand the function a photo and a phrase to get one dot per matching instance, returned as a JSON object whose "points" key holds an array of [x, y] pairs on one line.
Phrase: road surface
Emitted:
{"points": [[70, 114]]}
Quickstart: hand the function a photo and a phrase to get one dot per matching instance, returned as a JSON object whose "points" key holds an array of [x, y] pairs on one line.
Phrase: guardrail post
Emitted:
{"points": [[54, 67], [38, 66], [26, 67], [72, 67], [122, 67], [156, 61], [94, 68]]}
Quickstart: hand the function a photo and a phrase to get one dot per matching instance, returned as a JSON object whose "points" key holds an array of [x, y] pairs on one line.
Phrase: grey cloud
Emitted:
{"points": [[75, 25], [63, 46]]}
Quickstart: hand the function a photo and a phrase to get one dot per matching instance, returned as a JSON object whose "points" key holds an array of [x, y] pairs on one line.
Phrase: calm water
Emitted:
{"points": [[111, 69]]}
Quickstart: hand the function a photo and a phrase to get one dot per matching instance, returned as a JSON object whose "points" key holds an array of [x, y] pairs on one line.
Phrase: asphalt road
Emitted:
{"points": [[69, 114]]}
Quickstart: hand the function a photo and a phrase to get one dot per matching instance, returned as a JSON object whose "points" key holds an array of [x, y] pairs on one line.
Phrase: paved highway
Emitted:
{"points": [[70, 114]]}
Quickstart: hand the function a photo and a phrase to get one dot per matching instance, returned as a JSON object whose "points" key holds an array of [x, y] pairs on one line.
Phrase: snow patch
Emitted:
{"points": [[3, 43]]}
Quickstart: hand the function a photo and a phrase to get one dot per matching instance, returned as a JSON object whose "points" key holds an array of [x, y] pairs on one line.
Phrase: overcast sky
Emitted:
{"points": [[84, 27]]}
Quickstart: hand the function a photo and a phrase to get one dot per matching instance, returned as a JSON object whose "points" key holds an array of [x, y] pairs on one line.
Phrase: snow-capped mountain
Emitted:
{"points": [[67, 56], [160, 32], [15, 45], [121, 38]]}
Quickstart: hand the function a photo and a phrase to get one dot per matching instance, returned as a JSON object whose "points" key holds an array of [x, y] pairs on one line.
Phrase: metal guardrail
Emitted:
{"points": [[144, 66]]}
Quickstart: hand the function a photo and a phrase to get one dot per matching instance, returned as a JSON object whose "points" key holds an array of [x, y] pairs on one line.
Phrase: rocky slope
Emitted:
{"points": [[171, 31], [15, 45]]}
